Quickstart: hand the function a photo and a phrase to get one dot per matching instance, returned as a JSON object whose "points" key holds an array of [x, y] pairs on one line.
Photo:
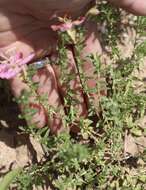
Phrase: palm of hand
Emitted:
{"points": [[24, 32], [25, 25]]}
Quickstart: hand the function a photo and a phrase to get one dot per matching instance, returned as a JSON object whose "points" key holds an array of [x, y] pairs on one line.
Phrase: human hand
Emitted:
{"points": [[137, 7], [25, 27]]}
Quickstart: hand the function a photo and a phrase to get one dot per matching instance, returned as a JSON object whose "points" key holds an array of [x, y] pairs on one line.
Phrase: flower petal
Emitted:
{"points": [[27, 59]]}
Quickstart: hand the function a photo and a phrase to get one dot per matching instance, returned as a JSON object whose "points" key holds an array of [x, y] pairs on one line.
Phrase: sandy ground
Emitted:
{"points": [[16, 149]]}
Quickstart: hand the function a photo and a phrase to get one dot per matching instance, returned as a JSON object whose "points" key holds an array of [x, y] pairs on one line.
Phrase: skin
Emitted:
{"points": [[137, 7], [25, 26]]}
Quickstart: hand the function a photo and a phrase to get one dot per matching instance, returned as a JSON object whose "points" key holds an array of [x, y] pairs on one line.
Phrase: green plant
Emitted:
{"points": [[94, 158]]}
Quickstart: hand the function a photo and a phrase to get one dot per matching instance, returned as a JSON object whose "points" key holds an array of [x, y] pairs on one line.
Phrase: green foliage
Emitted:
{"points": [[9, 178], [93, 158]]}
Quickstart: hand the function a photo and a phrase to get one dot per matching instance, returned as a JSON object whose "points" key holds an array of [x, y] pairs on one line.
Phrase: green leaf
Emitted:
{"points": [[142, 178], [8, 178], [136, 131]]}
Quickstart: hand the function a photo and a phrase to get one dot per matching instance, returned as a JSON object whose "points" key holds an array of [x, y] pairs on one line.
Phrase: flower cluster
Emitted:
{"points": [[67, 24], [11, 66]]}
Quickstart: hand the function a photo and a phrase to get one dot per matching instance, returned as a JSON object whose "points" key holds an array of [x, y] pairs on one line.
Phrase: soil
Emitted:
{"points": [[16, 148]]}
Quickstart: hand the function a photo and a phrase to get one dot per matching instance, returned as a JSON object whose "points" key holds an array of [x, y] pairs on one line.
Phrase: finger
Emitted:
{"points": [[18, 86], [42, 42], [71, 89], [48, 88], [92, 47]]}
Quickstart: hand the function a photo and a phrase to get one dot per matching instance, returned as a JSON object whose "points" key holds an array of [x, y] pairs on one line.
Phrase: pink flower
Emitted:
{"points": [[67, 25], [10, 67]]}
